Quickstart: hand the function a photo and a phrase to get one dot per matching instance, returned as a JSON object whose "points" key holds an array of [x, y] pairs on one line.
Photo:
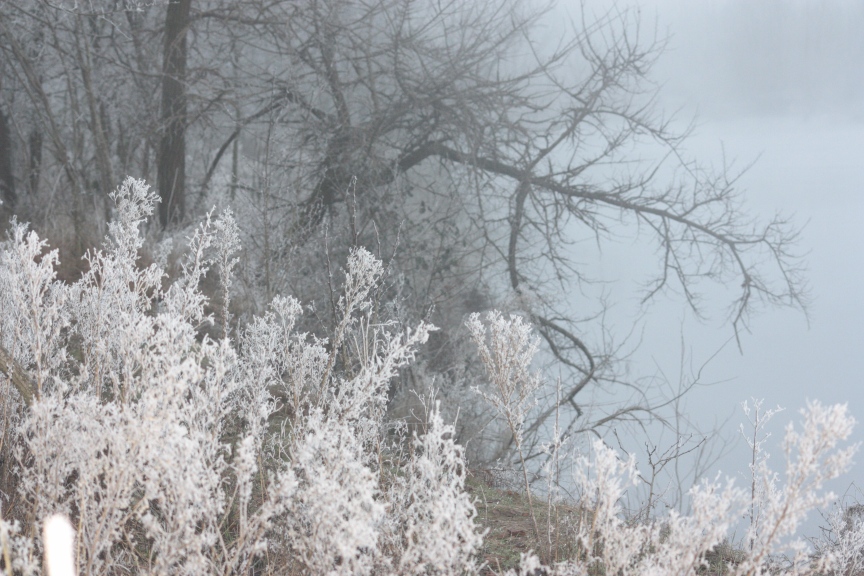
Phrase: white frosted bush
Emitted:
{"points": [[276, 358], [177, 454], [678, 544], [842, 542], [131, 437], [17, 549], [812, 457], [174, 453], [506, 349], [436, 517], [334, 517], [32, 304]]}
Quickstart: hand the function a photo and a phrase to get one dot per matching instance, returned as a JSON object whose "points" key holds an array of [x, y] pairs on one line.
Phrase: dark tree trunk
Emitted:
{"points": [[35, 166], [171, 164], [7, 182]]}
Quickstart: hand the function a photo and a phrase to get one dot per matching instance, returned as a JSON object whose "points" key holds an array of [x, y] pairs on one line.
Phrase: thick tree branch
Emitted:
{"points": [[732, 241]]}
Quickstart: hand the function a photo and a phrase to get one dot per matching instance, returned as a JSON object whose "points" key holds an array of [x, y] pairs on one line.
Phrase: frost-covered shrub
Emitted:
{"points": [[506, 352], [842, 540], [129, 435], [33, 305], [17, 549], [812, 457], [174, 453], [608, 542], [435, 523], [677, 544], [334, 517], [265, 450]]}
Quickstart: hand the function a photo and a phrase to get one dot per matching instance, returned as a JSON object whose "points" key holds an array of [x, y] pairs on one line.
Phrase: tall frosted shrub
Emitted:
{"points": [[174, 453]]}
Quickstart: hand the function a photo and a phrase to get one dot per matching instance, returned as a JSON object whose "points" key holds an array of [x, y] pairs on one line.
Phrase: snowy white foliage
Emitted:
{"points": [[673, 545], [437, 525], [33, 305], [843, 540], [162, 445], [333, 520], [812, 457], [267, 450], [678, 544], [506, 349]]}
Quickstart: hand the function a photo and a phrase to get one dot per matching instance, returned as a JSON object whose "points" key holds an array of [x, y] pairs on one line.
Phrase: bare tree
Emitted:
{"points": [[445, 136], [488, 155], [172, 148], [7, 178], [79, 85]]}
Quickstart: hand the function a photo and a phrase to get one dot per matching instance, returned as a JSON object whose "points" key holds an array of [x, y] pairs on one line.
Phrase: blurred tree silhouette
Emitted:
{"points": [[454, 136]]}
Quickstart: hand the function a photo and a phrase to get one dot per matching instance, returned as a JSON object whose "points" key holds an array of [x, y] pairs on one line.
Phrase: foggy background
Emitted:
{"points": [[772, 90], [781, 83]]}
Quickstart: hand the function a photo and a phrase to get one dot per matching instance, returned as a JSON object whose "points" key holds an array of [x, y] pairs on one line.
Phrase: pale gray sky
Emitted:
{"points": [[783, 79]]}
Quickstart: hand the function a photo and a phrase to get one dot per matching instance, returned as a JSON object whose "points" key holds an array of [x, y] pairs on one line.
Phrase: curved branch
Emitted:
{"points": [[544, 323], [515, 228], [569, 398]]}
